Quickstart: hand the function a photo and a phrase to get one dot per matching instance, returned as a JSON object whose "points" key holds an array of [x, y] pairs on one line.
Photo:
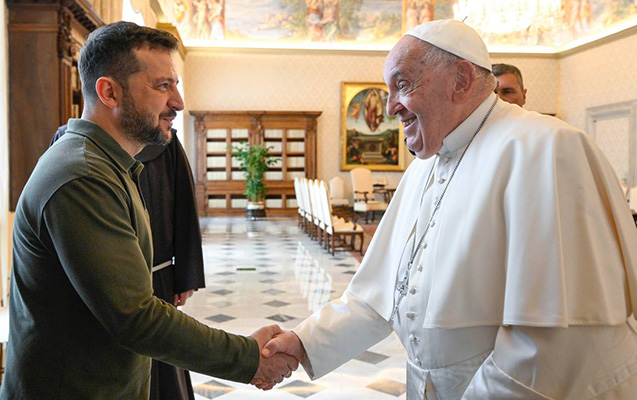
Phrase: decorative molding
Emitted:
{"points": [[84, 14], [599, 42], [172, 29], [81, 10], [159, 12], [200, 126], [65, 44], [626, 110]]}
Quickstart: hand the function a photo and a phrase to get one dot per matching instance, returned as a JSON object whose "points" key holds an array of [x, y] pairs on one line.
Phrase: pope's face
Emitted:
{"points": [[418, 96], [509, 89]]}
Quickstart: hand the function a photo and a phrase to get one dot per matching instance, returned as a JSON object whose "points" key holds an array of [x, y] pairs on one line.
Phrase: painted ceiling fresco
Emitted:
{"points": [[377, 24]]}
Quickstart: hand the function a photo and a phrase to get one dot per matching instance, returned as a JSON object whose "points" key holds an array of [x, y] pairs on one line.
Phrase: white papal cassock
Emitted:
{"points": [[525, 283]]}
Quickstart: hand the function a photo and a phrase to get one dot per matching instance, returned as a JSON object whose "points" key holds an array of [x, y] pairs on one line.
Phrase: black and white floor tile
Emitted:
{"points": [[268, 271]]}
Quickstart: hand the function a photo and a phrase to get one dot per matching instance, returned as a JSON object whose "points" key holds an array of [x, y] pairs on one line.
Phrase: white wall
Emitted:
{"points": [[541, 77], [600, 75], [311, 82], [289, 81], [6, 219]]}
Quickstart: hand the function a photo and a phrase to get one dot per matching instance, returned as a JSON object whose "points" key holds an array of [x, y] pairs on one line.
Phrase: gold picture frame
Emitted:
{"points": [[369, 137]]}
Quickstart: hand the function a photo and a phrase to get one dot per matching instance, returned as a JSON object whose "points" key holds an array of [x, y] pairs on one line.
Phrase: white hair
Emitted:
{"points": [[438, 59]]}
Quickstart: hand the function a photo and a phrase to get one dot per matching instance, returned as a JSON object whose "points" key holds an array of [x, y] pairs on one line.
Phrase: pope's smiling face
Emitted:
{"points": [[419, 96]]}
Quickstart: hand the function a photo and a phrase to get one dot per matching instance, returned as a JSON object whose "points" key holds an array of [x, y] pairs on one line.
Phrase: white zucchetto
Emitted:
{"points": [[455, 37]]}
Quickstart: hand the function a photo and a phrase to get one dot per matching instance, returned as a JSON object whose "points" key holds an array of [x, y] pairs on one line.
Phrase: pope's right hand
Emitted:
{"points": [[274, 368], [286, 342]]}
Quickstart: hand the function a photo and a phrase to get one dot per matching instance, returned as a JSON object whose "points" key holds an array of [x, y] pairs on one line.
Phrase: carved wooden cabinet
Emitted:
{"points": [[44, 92], [219, 182]]}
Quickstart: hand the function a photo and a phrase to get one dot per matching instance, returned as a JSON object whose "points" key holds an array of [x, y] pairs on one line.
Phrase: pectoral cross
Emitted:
{"points": [[401, 289]]}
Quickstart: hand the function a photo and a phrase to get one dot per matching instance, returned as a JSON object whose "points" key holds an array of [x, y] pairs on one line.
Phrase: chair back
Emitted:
{"points": [[324, 196], [362, 182], [379, 180], [317, 207], [298, 195], [305, 192], [337, 188]]}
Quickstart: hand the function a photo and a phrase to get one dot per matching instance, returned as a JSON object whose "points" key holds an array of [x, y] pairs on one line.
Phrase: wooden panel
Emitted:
{"points": [[43, 42], [221, 197]]}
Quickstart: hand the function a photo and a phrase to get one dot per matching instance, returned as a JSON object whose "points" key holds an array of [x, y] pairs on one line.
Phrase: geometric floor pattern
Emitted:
{"points": [[268, 271]]}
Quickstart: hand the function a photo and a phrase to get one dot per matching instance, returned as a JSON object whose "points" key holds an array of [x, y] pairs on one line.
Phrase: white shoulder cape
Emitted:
{"points": [[533, 230]]}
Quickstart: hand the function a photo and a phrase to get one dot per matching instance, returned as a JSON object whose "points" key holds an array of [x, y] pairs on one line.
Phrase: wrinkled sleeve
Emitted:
{"points": [[338, 332], [88, 222]]}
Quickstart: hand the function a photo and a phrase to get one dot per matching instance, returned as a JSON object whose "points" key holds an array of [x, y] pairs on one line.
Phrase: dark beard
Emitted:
{"points": [[141, 128]]}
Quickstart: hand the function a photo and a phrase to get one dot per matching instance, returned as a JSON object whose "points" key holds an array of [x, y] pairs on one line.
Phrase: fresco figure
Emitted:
{"points": [[201, 12], [314, 18], [215, 19], [418, 11], [329, 22]]}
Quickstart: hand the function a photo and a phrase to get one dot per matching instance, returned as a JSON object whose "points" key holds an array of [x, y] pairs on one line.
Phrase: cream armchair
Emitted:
{"points": [[337, 192], [364, 199]]}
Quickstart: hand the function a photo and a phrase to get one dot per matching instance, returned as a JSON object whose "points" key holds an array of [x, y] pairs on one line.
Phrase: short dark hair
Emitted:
{"points": [[501, 69], [109, 51]]}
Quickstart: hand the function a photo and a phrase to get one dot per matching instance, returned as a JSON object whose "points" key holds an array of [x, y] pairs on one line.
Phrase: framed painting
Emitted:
{"points": [[370, 138]]}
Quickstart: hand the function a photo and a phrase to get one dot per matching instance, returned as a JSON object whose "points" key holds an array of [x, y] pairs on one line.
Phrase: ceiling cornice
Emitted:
{"points": [[170, 28]]}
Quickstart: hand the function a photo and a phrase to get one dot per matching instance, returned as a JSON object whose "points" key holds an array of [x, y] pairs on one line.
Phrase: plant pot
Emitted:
{"points": [[255, 210]]}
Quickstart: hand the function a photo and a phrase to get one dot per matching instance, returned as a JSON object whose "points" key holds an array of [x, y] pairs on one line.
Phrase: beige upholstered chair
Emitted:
{"points": [[299, 202], [309, 207], [364, 201], [380, 181], [337, 192], [335, 229], [317, 209]]}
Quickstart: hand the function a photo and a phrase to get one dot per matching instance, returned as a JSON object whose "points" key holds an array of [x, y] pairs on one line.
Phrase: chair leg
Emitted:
{"points": [[333, 234], [362, 236]]}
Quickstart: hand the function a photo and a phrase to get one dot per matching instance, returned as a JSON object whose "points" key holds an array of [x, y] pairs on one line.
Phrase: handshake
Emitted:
{"points": [[280, 354]]}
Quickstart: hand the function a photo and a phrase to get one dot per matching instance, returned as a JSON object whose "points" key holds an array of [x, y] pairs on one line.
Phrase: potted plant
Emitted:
{"points": [[254, 161]]}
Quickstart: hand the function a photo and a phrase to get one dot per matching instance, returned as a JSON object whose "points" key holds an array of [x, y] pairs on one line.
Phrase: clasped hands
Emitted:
{"points": [[280, 354]]}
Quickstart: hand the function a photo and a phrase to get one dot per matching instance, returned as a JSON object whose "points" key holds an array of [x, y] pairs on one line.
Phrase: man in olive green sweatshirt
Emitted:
{"points": [[84, 321]]}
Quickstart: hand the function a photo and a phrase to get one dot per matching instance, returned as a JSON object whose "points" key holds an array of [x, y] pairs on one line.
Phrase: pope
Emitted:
{"points": [[506, 261]]}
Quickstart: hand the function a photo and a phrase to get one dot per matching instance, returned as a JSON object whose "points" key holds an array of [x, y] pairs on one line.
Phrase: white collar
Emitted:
{"points": [[459, 137]]}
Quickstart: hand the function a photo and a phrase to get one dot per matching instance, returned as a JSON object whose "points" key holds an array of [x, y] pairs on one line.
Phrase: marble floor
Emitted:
{"points": [[264, 272]]}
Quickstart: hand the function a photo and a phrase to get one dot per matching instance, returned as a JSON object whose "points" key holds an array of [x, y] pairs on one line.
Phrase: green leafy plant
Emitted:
{"points": [[254, 161]]}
